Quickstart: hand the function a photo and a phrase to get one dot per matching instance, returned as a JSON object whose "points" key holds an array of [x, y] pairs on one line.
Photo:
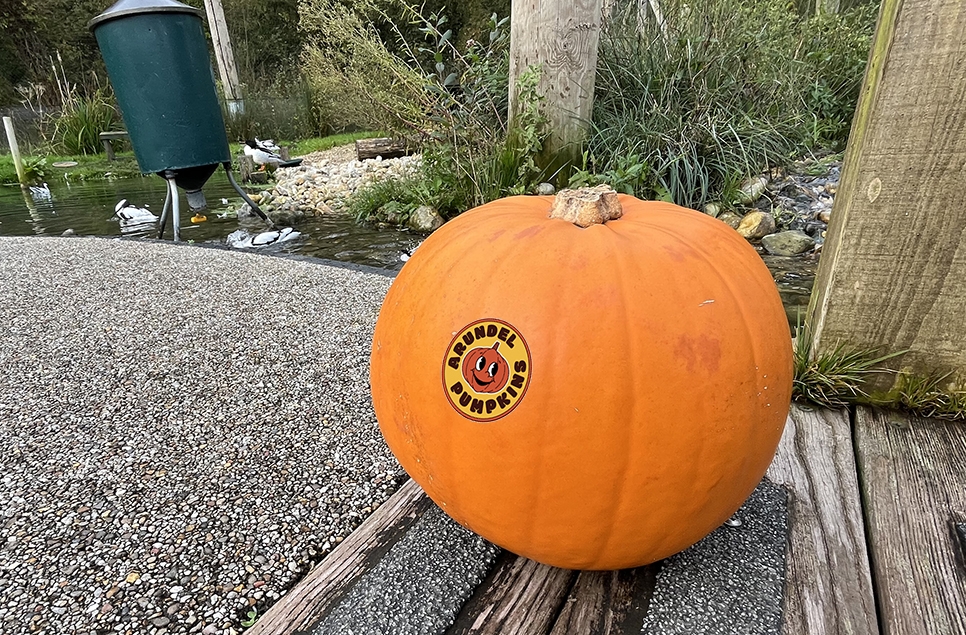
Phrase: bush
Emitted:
{"points": [[685, 107], [448, 100], [724, 89], [77, 127]]}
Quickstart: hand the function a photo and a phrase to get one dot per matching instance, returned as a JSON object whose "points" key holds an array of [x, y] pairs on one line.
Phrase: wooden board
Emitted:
{"points": [[913, 474], [607, 602], [324, 586], [828, 587], [893, 269], [519, 597]]}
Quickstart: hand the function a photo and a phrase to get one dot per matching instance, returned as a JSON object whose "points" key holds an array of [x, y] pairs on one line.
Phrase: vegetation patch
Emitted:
{"points": [[835, 379]]}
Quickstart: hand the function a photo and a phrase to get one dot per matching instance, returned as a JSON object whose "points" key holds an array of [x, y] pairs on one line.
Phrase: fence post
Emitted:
{"points": [[893, 270], [14, 149]]}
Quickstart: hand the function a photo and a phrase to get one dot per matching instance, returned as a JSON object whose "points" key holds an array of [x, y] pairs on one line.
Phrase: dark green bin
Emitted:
{"points": [[157, 59]]}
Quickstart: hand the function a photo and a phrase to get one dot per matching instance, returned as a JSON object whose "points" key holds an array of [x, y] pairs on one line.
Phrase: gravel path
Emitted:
{"points": [[184, 431]]}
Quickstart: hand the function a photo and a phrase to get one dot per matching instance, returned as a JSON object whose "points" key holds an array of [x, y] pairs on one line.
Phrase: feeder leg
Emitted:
{"points": [[175, 210], [164, 213], [246, 198]]}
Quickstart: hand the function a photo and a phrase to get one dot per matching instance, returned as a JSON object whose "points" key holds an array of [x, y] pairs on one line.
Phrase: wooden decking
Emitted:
{"points": [[876, 544]]}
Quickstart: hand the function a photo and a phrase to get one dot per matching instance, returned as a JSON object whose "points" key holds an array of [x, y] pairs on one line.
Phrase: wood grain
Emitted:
{"points": [[607, 602], [561, 38], [519, 597], [893, 270], [913, 474], [828, 586], [314, 597]]}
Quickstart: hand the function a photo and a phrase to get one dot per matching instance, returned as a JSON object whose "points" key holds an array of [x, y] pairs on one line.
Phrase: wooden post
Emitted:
{"points": [[560, 37], [827, 6], [224, 57], [14, 150], [893, 271]]}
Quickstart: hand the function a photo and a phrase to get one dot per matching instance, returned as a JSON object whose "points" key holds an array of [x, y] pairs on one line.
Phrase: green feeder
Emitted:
{"points": [[157, 60]]}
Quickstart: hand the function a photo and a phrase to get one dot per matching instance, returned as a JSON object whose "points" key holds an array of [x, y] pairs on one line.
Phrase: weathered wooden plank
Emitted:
{"points": [[607, 602], [828, 587], [312, 599], [519, 597], [893, 270], [913, 474]]}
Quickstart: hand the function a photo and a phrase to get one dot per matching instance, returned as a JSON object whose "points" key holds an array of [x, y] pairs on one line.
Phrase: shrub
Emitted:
{"points": [[720, 90], [81, 120]]}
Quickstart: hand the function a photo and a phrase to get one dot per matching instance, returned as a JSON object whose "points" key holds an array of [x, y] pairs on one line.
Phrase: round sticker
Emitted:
{"points": [[486, 370]]}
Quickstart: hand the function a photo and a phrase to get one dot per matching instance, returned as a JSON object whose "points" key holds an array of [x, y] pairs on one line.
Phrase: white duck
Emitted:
{"points": [[131, 215], [260, 154], [40, 192], [243, 240], [268, 144]]}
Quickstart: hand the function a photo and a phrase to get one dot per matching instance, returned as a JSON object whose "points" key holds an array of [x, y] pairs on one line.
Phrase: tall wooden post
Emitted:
{"points": [[224, 57], [560, 37], [893, 271]]}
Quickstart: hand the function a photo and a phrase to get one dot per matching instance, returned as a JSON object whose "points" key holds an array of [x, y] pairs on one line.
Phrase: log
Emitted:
{"points": [[381, 147]]}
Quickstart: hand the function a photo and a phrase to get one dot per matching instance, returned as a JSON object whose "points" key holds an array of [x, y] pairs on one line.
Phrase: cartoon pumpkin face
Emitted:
{"points": [[485, 370]]}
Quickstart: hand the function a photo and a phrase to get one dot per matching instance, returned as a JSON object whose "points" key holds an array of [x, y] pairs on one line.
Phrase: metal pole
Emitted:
{"points": [[14, 149], [164, 212], [175, 210]]}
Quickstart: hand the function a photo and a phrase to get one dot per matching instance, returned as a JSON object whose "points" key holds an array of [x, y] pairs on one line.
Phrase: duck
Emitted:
{"points": [[268, 144], [263, 156], [260, 154], [40, 192], [132, 215], [199, 218], [241, 239]]}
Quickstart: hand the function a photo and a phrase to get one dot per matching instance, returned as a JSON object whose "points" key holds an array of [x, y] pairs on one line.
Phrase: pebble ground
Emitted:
{"points": [[183, 432]]}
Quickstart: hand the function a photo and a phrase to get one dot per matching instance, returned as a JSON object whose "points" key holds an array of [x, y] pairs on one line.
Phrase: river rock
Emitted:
{"points": [[712, 209], [825, 215], [425, 219], [731, 219], [752, 189], [546, 189], [790, 243], [756, 225]]}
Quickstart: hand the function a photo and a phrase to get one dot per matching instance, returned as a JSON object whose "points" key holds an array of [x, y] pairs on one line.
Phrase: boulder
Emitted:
{"points": [[790, 243], [756, 225], [425, 219]]}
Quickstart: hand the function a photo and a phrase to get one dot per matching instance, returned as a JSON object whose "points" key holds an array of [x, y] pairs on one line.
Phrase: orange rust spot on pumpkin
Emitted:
{"points": [[699, 352], [533, 230]]}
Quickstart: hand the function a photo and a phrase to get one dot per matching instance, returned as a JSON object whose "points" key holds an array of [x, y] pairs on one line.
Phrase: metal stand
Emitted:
{"points": [[164, 213], [172, 204], [251, 203]]}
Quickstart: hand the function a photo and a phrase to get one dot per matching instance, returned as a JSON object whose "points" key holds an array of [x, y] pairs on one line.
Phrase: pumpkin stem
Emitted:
{"points": [[587, 206]]}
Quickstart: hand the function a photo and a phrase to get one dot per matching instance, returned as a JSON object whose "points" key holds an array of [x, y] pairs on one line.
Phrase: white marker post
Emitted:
{"points": [[14, 149]]}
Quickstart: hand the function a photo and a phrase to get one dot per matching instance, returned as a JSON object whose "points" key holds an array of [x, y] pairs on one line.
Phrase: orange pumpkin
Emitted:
{"points": [[648, 366]]}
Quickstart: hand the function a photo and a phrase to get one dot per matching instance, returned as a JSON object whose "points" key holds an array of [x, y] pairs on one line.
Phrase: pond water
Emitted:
{"points": [[87, 208]]}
